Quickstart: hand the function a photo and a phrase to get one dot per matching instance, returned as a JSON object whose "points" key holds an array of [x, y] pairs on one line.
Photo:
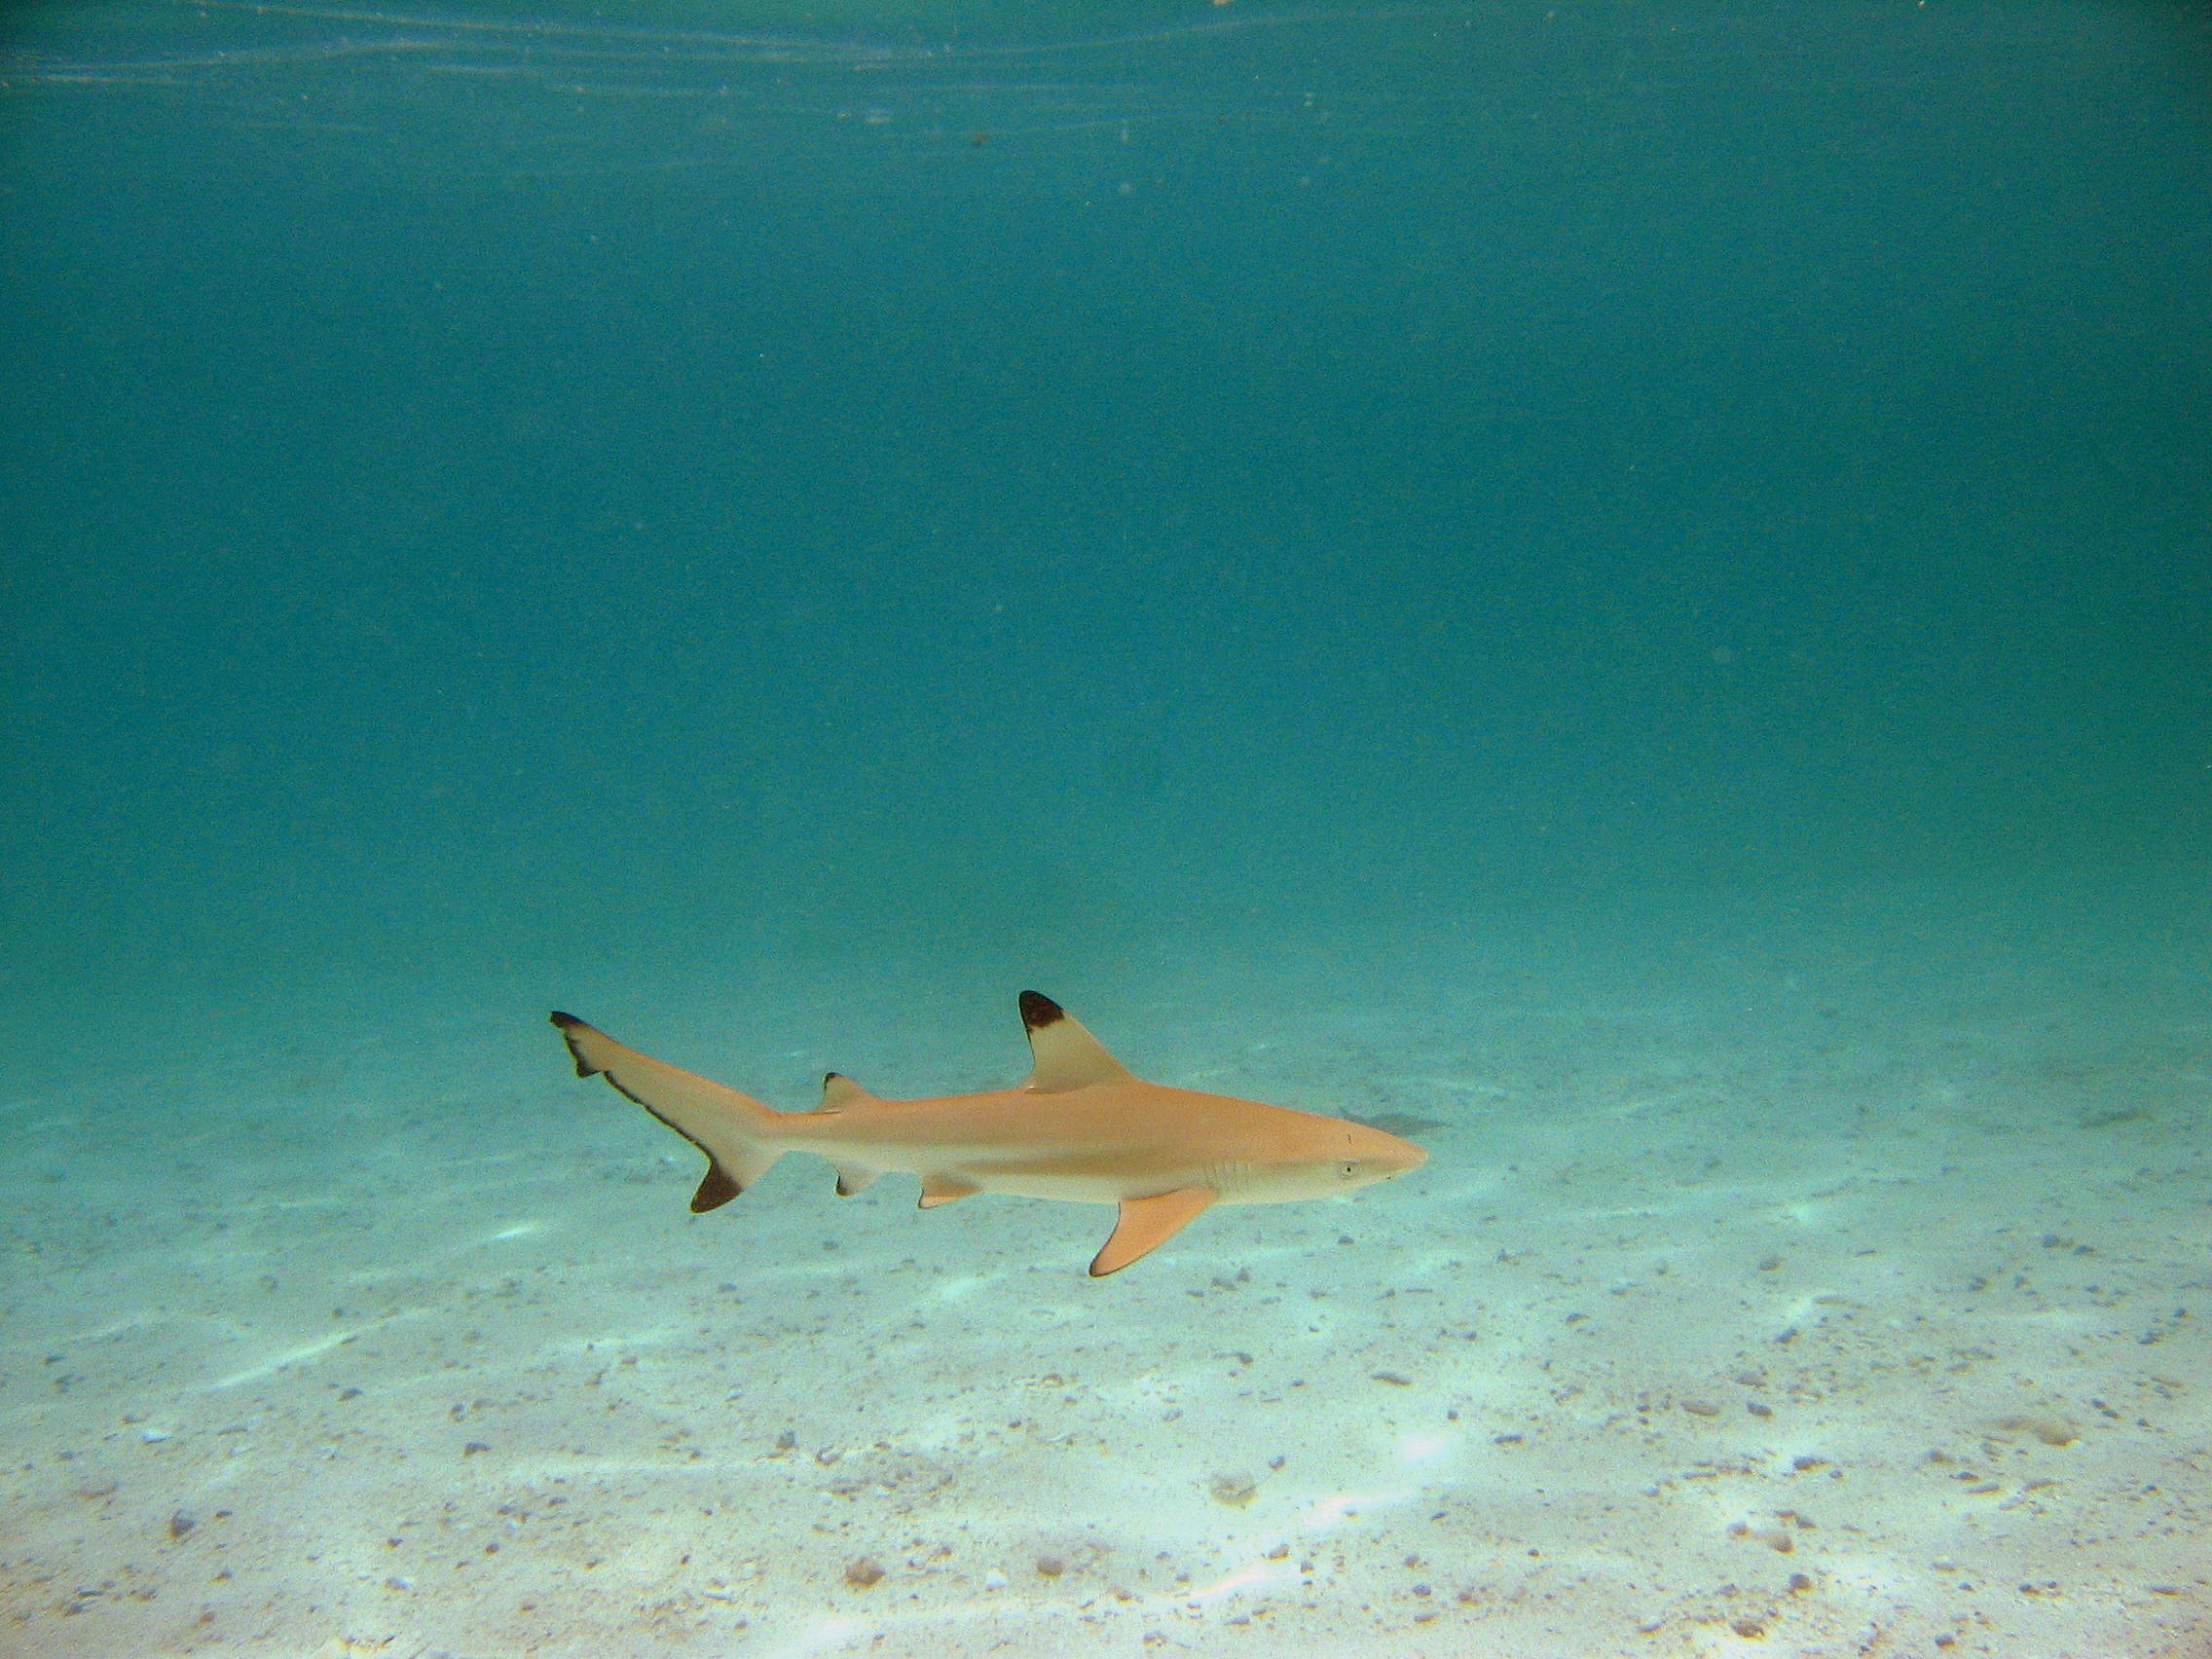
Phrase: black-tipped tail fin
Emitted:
{"points": [[736, 1133]]}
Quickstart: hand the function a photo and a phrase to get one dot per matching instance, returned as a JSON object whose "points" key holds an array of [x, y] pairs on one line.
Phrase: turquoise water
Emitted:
{"points": [[1345, 543]]}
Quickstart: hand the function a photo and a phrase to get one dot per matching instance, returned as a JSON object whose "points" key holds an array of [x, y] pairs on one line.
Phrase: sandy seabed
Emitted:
{"points": [[1827, 1272]]}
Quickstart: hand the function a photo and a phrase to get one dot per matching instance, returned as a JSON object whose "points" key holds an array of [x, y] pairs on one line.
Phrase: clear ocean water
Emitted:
{"points": [[1621, 589]]}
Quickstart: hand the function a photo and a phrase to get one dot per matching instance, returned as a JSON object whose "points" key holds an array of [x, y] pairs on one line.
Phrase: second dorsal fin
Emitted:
{"points": [[840, 1093], [1067, 1056]]}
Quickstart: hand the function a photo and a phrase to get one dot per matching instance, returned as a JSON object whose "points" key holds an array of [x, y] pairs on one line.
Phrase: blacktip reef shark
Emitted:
{"points": [[1082, 1127]]}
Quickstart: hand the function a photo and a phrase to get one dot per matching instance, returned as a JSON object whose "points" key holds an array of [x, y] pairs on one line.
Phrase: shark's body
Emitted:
{"points": [[1080, 1127]]}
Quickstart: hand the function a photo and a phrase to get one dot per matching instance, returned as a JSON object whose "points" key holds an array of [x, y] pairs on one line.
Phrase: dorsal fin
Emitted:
{"points": [[1067, 1056], [840, 1093]]}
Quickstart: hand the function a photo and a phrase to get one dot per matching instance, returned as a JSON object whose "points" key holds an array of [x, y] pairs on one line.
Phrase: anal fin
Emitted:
{"points": [[943, 1189], [1146, 1224]]}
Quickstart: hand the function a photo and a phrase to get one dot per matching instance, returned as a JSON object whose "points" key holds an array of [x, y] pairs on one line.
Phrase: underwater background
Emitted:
{"points": [[1624, 589]]}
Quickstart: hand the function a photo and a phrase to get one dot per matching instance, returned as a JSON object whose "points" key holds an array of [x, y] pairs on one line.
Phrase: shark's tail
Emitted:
{"points": [[736, 1133]]}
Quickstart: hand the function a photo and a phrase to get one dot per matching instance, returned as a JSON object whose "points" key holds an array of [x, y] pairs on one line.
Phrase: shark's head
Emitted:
{"points": [[1329, 1156], [1371, 1155]]}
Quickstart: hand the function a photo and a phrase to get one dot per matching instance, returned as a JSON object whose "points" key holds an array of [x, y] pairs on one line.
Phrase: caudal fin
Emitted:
{"points": [[736, 1133]]}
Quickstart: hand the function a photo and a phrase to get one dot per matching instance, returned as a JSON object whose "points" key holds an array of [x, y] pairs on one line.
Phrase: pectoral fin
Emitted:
{"points": [[1146, 1224]]}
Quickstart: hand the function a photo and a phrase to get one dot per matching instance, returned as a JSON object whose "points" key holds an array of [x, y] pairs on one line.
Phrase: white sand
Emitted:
{"points": [[1815, 1275]]}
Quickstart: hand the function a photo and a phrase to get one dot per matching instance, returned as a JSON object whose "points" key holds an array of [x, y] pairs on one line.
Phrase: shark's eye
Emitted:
{"points": [[1351, 1169]]}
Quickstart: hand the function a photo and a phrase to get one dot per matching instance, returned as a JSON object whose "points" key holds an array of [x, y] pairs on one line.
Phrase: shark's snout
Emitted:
{"points": [[1378, 1156], [1398, 1161]]}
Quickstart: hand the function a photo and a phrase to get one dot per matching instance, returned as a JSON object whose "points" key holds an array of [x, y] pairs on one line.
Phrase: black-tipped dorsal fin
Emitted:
{"points": [[1067, 1056], [840, 1093]]}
